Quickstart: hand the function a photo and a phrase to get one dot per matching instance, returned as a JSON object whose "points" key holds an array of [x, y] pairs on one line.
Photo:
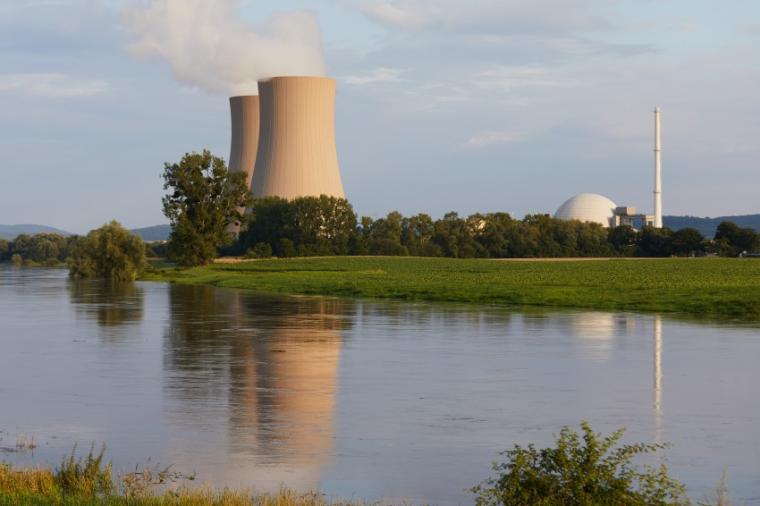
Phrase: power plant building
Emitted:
{"points": [[595, 208]]}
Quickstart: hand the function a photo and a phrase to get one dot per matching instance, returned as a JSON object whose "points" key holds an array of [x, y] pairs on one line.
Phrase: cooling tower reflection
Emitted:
{"points": [[271, 365]]}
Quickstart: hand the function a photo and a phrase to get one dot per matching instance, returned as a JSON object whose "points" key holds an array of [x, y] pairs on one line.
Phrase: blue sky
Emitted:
{"points": [[479, 105]]}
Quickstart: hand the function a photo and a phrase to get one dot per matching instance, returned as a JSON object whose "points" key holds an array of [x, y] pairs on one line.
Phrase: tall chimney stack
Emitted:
{"points": [[657, 170]]}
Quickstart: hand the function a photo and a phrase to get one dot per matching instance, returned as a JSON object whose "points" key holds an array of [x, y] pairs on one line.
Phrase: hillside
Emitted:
{"points": [[9, 232], [707, 226], [154, 233]]}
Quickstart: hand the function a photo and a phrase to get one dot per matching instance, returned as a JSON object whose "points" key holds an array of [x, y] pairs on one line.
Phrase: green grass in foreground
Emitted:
{"points": [[704, 287]]}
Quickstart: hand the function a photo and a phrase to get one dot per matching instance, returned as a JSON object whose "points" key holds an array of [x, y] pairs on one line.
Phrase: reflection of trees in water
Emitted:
{"points": [[399, 315], [270, 363], [109, 304]]}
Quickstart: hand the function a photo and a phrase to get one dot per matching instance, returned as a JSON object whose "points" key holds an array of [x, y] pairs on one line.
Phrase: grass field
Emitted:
{"points": [[702, 287]]}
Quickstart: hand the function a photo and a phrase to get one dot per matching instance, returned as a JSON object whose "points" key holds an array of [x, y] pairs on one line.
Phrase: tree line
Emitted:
{"points": [[309, 226], [205, 203]]}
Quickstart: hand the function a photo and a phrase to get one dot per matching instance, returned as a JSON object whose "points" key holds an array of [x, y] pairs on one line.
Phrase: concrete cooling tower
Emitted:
{"points": [[297, 156], [244, 113]]}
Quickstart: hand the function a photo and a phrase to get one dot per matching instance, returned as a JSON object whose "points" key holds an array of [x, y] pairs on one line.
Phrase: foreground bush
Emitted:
{"points": [[109, 252], [581, 470]]}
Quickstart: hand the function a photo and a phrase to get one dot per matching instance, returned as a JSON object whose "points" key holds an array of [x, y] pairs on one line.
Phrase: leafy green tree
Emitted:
{"points": [[5, 248], [654, 242], [314, 225], [733, 240], [203, 201], [580, 470], [46, 247], [623, 240], [686, 242], [110, 252], [261, 250]]}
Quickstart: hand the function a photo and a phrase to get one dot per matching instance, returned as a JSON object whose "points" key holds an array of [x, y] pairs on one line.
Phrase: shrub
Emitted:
{"points": [[109, 252], [261, 250], [581, 470]]}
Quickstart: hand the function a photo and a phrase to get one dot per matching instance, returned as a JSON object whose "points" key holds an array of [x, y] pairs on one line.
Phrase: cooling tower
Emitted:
{"points": [[296, 150], [244, 112]]}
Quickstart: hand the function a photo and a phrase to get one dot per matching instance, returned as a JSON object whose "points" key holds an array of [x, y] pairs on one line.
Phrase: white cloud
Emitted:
{"points": [[490, 138], [378, 75], [52, 85]]}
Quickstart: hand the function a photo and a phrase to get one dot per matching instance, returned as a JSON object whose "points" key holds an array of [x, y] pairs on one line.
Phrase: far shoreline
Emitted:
{"points": [[703, 288]]}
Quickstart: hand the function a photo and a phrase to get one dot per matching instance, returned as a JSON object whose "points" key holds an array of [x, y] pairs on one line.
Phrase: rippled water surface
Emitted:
{"points": [[359, 399]]}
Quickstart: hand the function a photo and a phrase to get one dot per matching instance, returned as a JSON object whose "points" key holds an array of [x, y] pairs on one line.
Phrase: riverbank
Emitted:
{"points": [[719, 288]]}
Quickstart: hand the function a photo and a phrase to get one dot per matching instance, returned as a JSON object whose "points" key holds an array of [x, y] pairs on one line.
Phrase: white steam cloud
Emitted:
{"points": [[208, 46]]}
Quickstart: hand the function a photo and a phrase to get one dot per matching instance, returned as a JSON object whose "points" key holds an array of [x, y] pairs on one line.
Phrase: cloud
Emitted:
{"points": [[207, 45], [378, 75], [52, 85], [490, 138]]}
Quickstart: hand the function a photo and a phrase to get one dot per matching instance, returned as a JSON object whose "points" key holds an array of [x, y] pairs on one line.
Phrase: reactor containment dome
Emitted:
{"points": [[588, 207]]}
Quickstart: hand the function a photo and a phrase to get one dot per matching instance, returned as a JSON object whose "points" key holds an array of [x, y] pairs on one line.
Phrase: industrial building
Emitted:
{"points": [[285, 138], [594, 208]]}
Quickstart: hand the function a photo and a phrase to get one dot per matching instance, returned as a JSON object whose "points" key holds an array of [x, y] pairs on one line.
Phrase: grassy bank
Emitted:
{"points": [[703, 287]]}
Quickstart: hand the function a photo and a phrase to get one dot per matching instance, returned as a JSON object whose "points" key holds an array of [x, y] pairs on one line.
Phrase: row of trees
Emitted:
{"points": [[328, 226], [109, 252], [46, 249], [204, 202]]}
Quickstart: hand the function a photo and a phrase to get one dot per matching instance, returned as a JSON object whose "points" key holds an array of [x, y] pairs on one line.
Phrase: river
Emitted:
{"points": [[359, 399]]}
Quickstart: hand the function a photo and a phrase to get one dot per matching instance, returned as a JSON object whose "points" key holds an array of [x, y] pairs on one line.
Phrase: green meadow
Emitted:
{"points": [[719, 288]]}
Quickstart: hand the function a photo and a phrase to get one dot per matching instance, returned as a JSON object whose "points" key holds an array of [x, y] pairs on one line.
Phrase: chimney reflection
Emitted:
{"points": [[270, 364], [658, 374]]}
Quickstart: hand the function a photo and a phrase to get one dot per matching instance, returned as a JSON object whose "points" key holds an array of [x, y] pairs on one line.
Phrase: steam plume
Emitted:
{"points": [[208, 46]]}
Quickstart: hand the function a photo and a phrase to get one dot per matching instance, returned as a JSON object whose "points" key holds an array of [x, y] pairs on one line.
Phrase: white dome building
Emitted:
{"points": [[589, 207]]}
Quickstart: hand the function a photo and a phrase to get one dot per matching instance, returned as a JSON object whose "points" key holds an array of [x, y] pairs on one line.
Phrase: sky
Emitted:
{"points": [[443, 105]]}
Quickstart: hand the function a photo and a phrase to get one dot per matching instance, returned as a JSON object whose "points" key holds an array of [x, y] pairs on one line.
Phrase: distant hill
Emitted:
{"points": [[9, 232], [707, 226], [154, 233]]}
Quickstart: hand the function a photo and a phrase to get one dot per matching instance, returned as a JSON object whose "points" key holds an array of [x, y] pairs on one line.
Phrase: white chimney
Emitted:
{"points": [[657, 171]]}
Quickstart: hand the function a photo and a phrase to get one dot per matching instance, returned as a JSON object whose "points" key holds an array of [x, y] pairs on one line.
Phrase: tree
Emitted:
{"points": [[623, 239], [732, 240], [686, 242], [580, 470], [110, 252], [654, 242], [5, 248], [310, 226], [204, 200]]}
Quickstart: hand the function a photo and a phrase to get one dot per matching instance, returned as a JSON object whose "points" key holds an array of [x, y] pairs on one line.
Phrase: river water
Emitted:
{"points": [[359, 399]]}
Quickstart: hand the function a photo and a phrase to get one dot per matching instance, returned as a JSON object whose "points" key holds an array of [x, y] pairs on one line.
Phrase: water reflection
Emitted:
{"points": [[368, 399], [657, 386], [271, 363], [109, 304]]}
